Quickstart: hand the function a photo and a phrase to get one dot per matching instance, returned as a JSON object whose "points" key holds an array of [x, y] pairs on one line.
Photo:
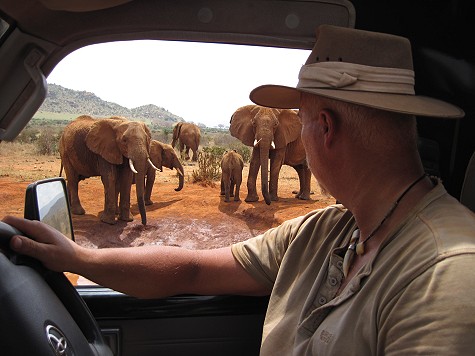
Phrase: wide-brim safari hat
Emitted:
{"points": [[361, 67]]}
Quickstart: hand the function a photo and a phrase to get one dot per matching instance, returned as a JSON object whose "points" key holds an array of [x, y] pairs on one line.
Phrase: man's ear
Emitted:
{"points": [[328, 124]]}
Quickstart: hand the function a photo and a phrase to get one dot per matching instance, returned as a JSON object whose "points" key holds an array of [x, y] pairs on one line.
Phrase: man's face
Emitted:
{"points": [[312, 138], [308, 114]]}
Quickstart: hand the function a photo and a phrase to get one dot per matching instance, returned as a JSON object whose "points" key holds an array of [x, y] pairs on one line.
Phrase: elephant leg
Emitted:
{"points": [[125, 177], [151, 173], [276, 161], [73, 186], [116, 198], [222, 192], [301, 174], [110, 203], [236, 194], [195, 155], [237, 182], [305, 178], [252, 177], [227, 185], [182, 148], [187, 153], [231, 186]]}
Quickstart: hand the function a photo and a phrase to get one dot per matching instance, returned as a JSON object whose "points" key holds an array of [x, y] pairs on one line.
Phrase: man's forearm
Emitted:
{"points": [[145, 272]]}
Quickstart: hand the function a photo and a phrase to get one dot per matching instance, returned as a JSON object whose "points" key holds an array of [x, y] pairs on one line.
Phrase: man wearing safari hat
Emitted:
{"points": [[389, 270]]}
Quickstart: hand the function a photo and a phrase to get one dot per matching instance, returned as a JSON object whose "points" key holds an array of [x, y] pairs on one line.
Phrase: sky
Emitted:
{"points": [[202, 83]]}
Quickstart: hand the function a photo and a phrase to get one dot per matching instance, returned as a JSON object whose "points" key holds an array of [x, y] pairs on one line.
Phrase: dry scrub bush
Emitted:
{"points": [[45, 138], [163, 135], [47, 142], [209, 165]]}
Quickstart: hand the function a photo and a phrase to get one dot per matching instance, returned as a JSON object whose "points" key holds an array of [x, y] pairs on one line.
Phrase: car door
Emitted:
{"points": [[180, 325]]}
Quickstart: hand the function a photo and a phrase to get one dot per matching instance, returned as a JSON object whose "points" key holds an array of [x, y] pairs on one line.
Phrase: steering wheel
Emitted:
{"points": [[42, 313]]}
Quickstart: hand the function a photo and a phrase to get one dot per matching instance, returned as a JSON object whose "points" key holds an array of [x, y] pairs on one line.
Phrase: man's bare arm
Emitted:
{"points": [[145, 272]]}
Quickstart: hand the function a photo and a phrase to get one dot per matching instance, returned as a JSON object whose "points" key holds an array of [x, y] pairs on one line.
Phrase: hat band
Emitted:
{"points": [[349, 76]]}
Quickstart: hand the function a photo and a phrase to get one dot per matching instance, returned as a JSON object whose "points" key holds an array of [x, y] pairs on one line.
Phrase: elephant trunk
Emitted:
{"points": [[139, 167], [181, 176], [140, 190], [264, 158]]}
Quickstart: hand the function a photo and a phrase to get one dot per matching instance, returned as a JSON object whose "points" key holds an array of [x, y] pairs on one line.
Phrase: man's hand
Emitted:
{"points": [[46, 244]]}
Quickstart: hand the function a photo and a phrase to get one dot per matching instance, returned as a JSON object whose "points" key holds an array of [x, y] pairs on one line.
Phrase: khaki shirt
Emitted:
{"points": [[416, 296]]}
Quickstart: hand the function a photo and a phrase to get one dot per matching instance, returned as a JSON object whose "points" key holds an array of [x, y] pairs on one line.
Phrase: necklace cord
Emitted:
{"points": [[358, 247]]}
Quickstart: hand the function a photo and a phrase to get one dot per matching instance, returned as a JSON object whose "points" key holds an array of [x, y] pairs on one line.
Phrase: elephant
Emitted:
{"points": [[113, 148], [274, 134], [162, 155], [188, 136], [296, 157], [232, 165]]}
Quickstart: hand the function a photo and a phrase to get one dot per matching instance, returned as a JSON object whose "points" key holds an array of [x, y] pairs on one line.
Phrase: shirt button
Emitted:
{"points": [[322, 300], [332, 281], [339, 264]]}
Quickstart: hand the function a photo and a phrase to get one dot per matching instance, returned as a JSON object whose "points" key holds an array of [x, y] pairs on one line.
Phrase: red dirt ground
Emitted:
{"points": [[196, 217]]}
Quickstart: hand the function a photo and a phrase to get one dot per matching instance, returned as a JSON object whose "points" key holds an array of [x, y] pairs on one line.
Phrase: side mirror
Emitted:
{"points": [[47, 201]]}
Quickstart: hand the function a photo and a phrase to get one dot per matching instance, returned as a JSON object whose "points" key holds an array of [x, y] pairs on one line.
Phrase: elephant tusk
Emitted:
{"points": [[179, 172], [272, 145], [153, 166], [256, 142], [131, 165]]}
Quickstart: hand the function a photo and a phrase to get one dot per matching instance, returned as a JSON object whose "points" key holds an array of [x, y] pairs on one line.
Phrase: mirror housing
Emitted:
{"points": [[47, 201]]}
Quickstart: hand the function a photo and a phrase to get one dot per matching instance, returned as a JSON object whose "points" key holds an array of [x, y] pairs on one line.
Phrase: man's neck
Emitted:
{"points": [[374, 199]]}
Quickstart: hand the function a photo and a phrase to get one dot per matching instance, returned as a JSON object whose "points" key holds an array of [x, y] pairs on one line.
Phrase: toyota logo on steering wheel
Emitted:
{"points": [[57, 341]]}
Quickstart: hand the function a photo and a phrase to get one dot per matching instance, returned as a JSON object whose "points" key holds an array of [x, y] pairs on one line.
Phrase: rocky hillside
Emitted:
{"points": [[63, 100]]}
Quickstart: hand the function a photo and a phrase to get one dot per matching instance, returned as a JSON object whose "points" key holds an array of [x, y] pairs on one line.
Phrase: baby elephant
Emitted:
{"points": [[231, 175]]}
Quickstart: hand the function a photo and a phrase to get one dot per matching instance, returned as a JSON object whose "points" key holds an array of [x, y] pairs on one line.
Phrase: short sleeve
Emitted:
{"points": [[435, 314], [261, 256]]}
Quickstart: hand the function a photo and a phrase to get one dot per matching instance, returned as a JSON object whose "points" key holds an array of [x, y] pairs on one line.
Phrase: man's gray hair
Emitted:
{"points": [[372, 127]]}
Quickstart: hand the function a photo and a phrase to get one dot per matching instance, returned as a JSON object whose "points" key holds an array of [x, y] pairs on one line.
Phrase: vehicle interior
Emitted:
{"points": [[35, 35]]}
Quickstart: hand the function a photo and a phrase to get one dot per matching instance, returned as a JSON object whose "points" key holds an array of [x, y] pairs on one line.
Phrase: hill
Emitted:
{"points": [[65, 101]]}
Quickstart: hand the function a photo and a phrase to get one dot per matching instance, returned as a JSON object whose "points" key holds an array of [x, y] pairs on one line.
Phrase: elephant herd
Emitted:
{"points": [[122, 153]]}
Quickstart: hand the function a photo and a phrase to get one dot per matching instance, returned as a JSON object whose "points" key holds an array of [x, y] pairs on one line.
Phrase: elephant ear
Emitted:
{"points": [[289, 128], [241, 125], [149, 136], [169, 157], [156, 152], [101, 140]]}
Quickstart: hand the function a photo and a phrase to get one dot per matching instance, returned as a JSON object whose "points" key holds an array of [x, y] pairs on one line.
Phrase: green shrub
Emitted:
{"points": [[215, 151], [243, 150], [163, 135], [209, 165]]}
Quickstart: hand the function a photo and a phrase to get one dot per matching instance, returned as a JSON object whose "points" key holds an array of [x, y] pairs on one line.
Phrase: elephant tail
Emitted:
{"points": [[61, 169]]}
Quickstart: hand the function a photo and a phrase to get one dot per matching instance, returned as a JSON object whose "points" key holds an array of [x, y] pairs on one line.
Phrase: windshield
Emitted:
{"points": [[161, 84]]}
